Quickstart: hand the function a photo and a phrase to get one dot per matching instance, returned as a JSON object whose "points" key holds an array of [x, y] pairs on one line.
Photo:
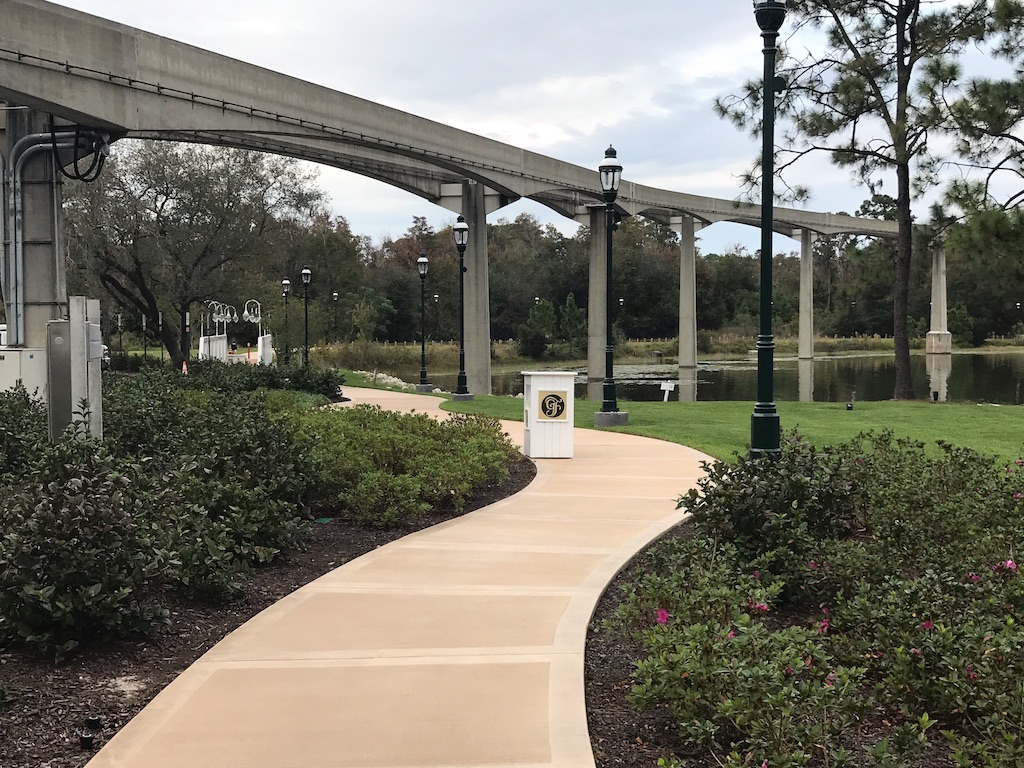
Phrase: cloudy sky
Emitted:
{"points": [[561, 78]]}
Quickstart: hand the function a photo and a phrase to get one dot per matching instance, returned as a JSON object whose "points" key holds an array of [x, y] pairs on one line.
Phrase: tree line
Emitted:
{"points": [[169, 227]]}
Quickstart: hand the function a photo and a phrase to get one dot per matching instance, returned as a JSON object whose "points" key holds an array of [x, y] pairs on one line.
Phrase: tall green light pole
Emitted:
{"points": [[307, 275], [764, 423], [422, 265], [461, 234], [286, 289], [611, 174]]}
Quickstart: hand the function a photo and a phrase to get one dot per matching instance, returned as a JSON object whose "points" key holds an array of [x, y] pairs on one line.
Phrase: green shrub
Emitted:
{"points": [[778, 511], [893, 569], [75, 562], [442, 463], [23, 429]]}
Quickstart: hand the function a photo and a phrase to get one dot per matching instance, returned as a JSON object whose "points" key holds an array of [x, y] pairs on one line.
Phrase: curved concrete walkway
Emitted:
{"points": [[459, 645]]}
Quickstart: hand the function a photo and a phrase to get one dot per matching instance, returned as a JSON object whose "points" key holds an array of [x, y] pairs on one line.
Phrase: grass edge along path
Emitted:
{"points": [[720, 428]]}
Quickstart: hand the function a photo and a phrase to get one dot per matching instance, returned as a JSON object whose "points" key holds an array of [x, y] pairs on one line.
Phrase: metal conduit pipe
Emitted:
{"points": [[20, 153]]}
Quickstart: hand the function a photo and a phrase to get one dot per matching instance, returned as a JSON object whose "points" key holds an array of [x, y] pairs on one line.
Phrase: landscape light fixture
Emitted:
{"points": [[765, 437], [610, 171], [422, 264], [306, 277], [286, 289], [461, 233]]}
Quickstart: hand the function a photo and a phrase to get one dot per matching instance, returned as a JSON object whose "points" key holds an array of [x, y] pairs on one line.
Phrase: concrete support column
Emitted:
{"points": [[596, 304], [806, 341], [684, 225], [939, 340], [478, 307], [38, 224]]}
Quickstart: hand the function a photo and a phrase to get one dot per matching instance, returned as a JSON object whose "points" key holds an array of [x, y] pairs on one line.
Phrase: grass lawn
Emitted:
{"points": [[719, 428]]}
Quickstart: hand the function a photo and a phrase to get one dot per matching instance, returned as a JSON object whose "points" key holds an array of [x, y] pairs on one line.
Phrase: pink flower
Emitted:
{"points": [[927, 626], [1010, 566], [1020, 462], [789, 671], [757, 574], [662, 616], [823, 626], [730, 635], [811, 566], [830, 680], [971, 674], [764, 764], [824, 609], [756, 606], [973, 577], [1016, 496], [916, 652]]}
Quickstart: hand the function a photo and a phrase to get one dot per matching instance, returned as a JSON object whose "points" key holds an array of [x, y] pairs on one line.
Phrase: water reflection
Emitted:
{"points": [[971, 377]]}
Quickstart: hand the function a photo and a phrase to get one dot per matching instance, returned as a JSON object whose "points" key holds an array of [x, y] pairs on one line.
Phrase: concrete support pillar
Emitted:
{"points": [[478, 308], [596, 304], [806, 341], [805, 379], [38, 224], [939, 367], [686, 227], [939, 340]]}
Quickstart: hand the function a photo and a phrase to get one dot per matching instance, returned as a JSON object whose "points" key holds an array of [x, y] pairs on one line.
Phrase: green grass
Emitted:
{"points": [[720, 428]]}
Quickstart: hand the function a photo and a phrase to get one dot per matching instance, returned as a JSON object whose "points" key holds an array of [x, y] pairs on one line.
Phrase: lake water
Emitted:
{"points": [[968, 377]]}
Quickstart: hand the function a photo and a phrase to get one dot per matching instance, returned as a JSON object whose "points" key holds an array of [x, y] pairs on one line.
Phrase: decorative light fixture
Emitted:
{"points": [[461, 234], [765, 438]]}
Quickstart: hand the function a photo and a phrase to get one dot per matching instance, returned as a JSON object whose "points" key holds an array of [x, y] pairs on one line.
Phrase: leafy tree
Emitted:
{"points": [[168, 225], [574, 326], [871, 96], [985, 270]]}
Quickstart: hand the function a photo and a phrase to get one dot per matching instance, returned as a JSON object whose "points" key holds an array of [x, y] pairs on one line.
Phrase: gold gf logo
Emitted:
{"points": [[552, 406]]}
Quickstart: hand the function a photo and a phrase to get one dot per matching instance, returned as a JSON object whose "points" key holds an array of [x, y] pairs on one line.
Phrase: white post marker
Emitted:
{"points": [[666, 387]]}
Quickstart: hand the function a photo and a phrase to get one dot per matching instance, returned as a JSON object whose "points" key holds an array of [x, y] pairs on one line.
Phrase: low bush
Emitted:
{"points": [[841, 607], [76, 561], [383, 468], [23, 430]]}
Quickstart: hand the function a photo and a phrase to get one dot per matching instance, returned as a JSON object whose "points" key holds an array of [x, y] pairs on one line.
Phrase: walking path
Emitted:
{"points": [[459, 645]]}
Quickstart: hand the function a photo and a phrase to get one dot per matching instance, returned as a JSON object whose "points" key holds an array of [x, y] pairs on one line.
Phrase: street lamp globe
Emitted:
{"points": [[306, 275], [770, 14], [611, 174], [286, 287], [422, 263], [461, 233]]}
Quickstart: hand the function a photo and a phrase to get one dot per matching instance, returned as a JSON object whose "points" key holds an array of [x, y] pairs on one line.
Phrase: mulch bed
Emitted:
{"points": [[47, 705]]}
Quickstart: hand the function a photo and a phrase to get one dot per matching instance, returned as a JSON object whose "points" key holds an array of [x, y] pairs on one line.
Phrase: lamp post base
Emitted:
{"points": [[463, 397], [611, 418], [427, 387], [764, 432]]}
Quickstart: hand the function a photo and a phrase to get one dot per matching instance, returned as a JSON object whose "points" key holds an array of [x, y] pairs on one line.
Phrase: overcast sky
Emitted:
{"points": [[558, 77]]}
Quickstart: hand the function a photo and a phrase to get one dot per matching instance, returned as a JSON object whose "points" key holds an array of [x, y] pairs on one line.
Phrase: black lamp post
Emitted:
{"points": [[422, 263], [611, 174], [286, 288], [334, 297], [461, 232], [764, 422], [306, 277], [437, 313]]}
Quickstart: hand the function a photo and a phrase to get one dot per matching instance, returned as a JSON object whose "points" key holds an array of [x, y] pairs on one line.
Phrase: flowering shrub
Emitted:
{"points": [[833, 607]]}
